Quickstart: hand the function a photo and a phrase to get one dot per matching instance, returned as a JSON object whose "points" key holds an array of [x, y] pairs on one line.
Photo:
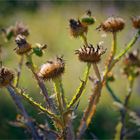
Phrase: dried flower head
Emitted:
{"points": [[90, 54], [136, 22], [132, 59], [77, 28], [22, 45], [52, 69], [132, 64], [6, 76], [112, 24], [13, 31]]}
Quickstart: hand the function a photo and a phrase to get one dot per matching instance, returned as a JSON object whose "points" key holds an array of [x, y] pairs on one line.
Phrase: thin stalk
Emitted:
{"points": [[37, 105], [95, 67], [64, 100], [20, 106], [112, 94], [57, 89], [40, 83], [81, 88], [123, 114], [85, 40], [119, 56], [19, 70]]}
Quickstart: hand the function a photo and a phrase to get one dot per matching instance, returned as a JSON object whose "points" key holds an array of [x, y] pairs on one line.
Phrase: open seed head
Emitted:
{"points": [[22, 45], [6, 77], [52, 69], [76, 28], [90, 54], [136, 22], [113, 24]]}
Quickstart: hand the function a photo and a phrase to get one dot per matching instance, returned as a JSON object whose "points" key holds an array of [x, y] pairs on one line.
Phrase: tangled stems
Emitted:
{"points": [[20, 106], [81, 88], [123, 114], [94, 99], [40, 82], [37, 105]]}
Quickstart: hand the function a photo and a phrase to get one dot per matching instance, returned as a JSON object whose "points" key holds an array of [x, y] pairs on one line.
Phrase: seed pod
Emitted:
{"points": [[136, 22], [22, 45], [52, 69], [90, 54], [6, 76], [112, 24], [76, 28]]}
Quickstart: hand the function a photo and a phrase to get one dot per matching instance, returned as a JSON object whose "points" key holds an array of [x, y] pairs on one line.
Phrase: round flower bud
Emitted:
{"points": [[136, 22], [22, 45], [6, 77], [87, 19], [77, 29], [90, 54], [112, 24], [52, 69]]}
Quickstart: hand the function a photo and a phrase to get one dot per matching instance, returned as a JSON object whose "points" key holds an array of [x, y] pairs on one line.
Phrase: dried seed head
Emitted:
{"points": [[90, 54], [52, 69], [132, 59], [22, 45], [136, 22], [20, 28], [112, 24], [76, 28], [132, 64], [6, 76]]}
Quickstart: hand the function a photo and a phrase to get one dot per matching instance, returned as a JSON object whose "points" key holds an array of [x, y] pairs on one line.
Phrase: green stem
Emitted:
{"points": [[95, 67], [111, 92], [85, 40], [81, 88], [37, 105], [58, 92]]}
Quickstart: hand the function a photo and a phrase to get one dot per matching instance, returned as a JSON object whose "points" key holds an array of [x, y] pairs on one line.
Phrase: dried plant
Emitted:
{"points": [[59, 109]]}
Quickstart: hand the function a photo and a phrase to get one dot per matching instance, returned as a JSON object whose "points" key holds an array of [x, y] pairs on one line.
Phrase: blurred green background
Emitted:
{"points": [[48, 23]]}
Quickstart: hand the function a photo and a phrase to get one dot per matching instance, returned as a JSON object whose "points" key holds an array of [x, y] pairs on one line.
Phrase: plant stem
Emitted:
{"points": [[19, 70], [85, 40], [20, 106], [81, 88], [41, 84], [95, 67], [123, 114], [58, 92], [111, 92], [37, 105]]}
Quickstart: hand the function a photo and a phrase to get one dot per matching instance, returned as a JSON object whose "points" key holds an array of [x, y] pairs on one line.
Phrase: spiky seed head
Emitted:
{"points": [[52, 69], [6, 76], [113, 24], [22, 45], [132, 64], [132, 59], [76, 28], [136, 22], [90, 54]]}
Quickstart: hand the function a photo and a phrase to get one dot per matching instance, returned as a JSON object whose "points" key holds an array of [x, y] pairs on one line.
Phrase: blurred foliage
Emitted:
{"points": [[48, 24]]}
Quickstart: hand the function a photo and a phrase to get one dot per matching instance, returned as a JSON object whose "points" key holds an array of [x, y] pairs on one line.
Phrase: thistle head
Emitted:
{"points": [[132, 64], [22, 45], [112, 24], [90, 54], [52, 69], [136, 22], [6, 76], [77, 29]]}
